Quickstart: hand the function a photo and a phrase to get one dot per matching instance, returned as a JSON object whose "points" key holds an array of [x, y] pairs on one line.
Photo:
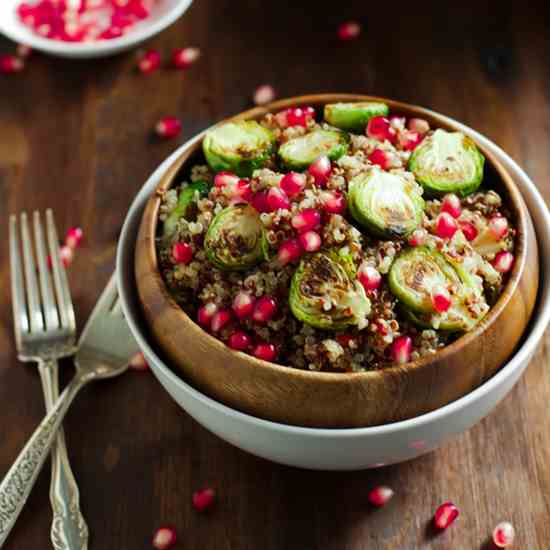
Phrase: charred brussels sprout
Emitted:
{"points": [[235, 240], [354, 117], [300, 152], [447, 162], [325, 294], [185, 199], [239, 147], [388, 205]]}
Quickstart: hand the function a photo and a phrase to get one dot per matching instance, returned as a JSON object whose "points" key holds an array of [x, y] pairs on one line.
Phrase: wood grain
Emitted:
{"points": [[76, 136]]}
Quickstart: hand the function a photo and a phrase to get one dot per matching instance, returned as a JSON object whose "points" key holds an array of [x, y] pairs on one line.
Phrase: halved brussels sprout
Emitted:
{"points": [[235, 240], [448, 162], [325, 294], [239, 147], [354, 117], [387, 204], [300, 152], [185, 198]]}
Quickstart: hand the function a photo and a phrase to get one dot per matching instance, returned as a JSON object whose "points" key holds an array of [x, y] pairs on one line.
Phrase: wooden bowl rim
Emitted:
{"points": [[151, 212]]}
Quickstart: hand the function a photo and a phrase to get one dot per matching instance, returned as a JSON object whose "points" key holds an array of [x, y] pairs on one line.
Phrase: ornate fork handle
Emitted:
{"points": [[20, 479]]}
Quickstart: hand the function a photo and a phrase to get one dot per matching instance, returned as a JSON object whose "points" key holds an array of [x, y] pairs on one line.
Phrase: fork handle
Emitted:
{"points": [[69, 530], [16, 486]]}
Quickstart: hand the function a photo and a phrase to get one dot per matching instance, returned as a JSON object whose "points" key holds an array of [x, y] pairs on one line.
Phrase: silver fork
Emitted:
{"points": [[104, 349], [45, 331]]}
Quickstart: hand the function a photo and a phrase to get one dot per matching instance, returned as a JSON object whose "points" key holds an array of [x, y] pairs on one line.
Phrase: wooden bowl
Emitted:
{"points": [[338, 400]]}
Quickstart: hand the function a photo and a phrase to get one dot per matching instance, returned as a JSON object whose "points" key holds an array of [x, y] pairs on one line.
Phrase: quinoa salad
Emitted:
{"points": [[345, 240]]}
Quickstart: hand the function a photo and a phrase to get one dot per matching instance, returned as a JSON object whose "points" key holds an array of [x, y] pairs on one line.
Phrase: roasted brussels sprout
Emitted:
{"points": [[354, 117], [325, 294], [185, 198], [447, 162], [300, 152], [386, 204], [235, 240], [239, 147]]}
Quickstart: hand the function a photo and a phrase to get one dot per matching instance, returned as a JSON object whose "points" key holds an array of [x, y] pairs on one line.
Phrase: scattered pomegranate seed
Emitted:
{"points": [[380, 128], [74, 237], [243, 304], [320, 170], [469, 230], [240, 192], [334, 202], [418, 237], [446, 226], [504, 534], [240, 341], [289, 251], [182, 253], [225, 179], [183, 58], [10, 64], [306, 219], [409, 140], [503, 261], [149, 62], [206, 313], [401, 349], [23, 51], [441, 299], [264, 94], [259, 201], [369, 277], [138, 362], [498, 225], [451, 204], [220, 319], [267, 352], [297, 116], [164, 538], [445, 515], [168, 127], [418, 125], [277, 199], [349, 30], [203, 499], [380, 496], [264, 309], [66, 254], [310, 241], [293, 183], [380, 158]]}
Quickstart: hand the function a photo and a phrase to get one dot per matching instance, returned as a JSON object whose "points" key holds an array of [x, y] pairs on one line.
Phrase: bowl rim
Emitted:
{"points": [[153, 205], [539, 320]]}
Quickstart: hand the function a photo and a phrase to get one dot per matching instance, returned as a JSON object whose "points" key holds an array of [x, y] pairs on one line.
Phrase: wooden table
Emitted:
{"points": [[76, 136]]}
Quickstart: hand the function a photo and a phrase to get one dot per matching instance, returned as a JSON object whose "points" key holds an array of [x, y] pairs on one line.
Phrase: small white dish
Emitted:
{"points": [[163, 15]]}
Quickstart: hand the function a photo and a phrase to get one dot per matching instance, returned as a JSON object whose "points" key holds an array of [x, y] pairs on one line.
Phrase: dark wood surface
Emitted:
{"points": [[76, 136]]}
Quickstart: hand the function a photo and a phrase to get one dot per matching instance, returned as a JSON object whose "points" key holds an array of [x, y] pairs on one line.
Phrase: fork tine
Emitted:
{"points": [[48, 300], [35, 312], [61, 284], [20, 318]]}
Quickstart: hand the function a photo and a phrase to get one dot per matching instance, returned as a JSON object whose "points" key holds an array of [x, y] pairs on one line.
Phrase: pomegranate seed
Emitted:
{"points": [[138, 362], [369, 277], [259, 201], [183, 58], [240, 341], [441, 299], [23, 50], [149, 62], [401, 349], [220, 319], [445, 515], [418, 125], [349, 30], [293, 183], [408, 140], [10, 64], [264, 351], [289, 251], [334, 202], [379, 128], [206, 313], [74, 237], [264, 309], [223, 179], [307, 219], [164, 538], [66, 253], [297, 116], [451, 205], [504, 534], [182, 253], [277, 199], [380, 158], [203, 499], [446, 226], [320, 170], [240, 192], [264, 94], [345, 339], [418, 237], [379, 496], [397, 122], [243, 304], [498, 225], [168, 127], [310, 241], [503, 261], [469, 230]]}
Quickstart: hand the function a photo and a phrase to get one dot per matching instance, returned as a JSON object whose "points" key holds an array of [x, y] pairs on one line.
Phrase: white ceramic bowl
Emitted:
{"points": [[340, 449], [162, 16]]}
